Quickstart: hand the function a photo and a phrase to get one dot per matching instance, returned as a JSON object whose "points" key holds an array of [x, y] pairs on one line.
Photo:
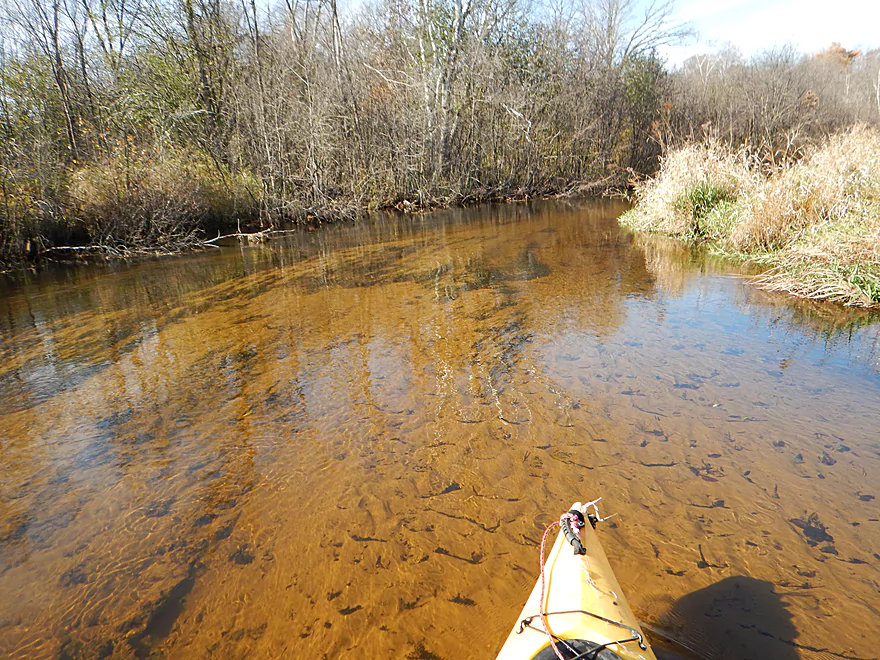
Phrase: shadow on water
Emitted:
{"points": [[740, 618]]}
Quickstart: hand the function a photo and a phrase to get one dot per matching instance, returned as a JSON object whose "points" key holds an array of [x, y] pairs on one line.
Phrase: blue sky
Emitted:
{"points": [[756, 25]]}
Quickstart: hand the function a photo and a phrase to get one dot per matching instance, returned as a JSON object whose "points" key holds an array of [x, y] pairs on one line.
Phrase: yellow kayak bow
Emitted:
{"points": [[584, 612]]}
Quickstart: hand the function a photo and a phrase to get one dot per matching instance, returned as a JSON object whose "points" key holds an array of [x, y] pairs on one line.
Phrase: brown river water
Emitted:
{"points": [[347, 443]]}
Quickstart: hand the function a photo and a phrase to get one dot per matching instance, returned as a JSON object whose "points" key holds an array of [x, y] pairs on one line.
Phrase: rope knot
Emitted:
{"points": [[572, 519]]}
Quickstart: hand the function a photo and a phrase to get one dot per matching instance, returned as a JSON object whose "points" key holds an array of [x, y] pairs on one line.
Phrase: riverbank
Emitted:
{"points": [[180, 201], [812, 226]]}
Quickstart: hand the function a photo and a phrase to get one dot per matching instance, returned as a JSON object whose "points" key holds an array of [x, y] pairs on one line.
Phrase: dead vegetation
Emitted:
{"points": [[813, 223]]}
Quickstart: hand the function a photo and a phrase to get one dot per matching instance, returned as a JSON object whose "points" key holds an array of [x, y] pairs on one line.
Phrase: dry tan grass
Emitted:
{"points": [[835, 183], [816, 222], [663, 202]]}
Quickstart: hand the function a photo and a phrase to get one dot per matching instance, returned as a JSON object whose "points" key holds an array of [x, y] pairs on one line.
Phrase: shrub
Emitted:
{"points": [[159, 201]]}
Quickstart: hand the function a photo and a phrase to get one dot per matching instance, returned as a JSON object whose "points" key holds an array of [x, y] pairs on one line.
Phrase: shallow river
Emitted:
{"points": [[348, 442]]}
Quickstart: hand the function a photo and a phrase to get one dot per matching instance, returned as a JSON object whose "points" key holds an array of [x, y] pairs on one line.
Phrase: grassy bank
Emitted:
{"points": [[813, 225]]}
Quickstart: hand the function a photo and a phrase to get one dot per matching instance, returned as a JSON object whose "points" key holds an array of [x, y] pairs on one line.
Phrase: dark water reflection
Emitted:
{"points": [[347, 443]]}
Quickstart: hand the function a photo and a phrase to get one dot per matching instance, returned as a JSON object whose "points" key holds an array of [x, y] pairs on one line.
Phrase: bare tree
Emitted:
{"points": [[126, 121]]}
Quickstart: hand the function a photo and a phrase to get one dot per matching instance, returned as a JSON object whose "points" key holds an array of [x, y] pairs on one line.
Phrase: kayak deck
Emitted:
{"points": [[583, 601]]}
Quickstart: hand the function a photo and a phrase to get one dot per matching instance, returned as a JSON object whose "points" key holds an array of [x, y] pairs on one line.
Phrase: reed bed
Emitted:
{"points": [[813, 225]]}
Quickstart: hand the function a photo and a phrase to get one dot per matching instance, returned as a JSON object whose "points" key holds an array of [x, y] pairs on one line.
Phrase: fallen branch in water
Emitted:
{"points": [[84, 252], [611, 183], [76, 248], [172, 244], [242, 237]]}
